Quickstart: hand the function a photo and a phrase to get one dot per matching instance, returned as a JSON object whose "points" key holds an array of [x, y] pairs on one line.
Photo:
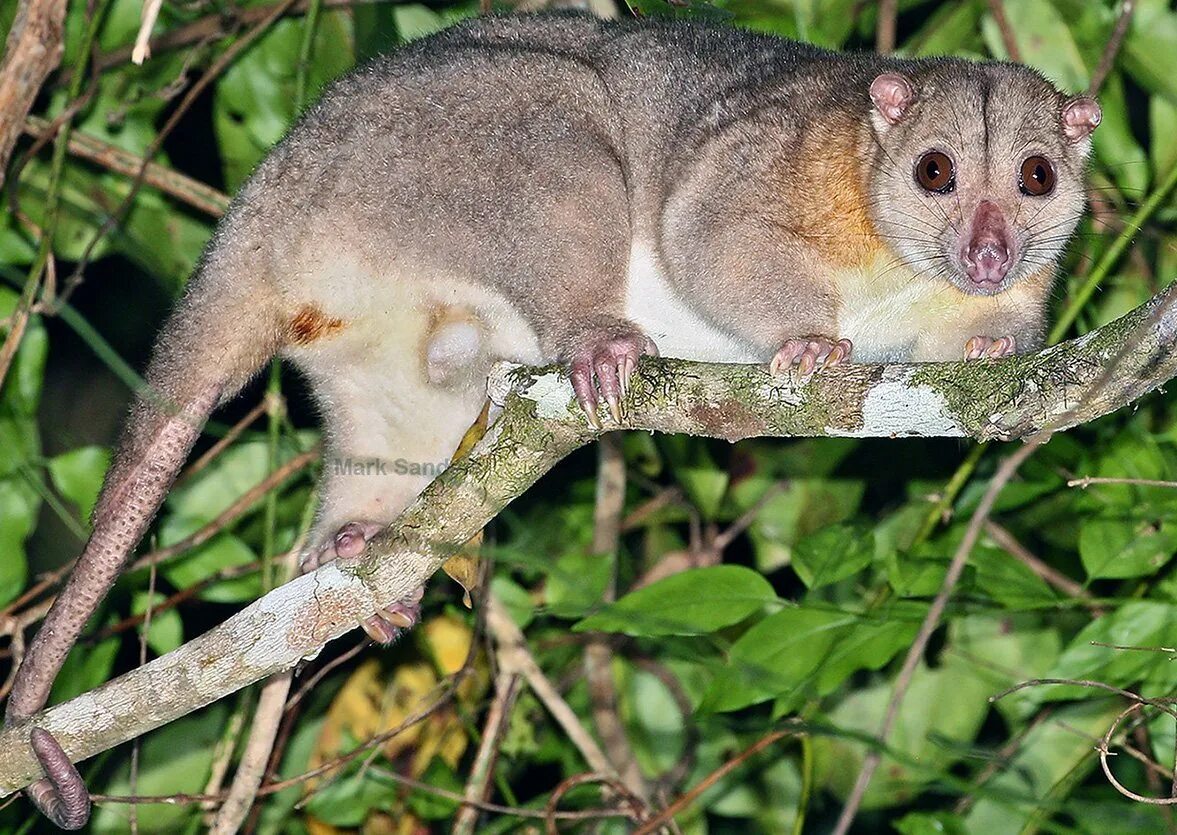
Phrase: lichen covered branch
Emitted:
{"points": [[538, 424]]}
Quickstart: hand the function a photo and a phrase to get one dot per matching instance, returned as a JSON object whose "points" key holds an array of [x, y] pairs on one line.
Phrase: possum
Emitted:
{"points": [[556, 188]]}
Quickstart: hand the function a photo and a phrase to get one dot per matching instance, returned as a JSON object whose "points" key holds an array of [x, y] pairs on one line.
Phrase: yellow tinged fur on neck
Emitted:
{"points": [[893, 315]]}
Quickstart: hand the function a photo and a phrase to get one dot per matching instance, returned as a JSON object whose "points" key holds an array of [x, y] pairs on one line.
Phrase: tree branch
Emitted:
{"points": [[32, 52], [538, 424]]}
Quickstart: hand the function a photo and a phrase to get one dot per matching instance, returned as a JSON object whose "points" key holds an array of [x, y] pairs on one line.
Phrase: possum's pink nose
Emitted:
{"points": [[988, 255]]}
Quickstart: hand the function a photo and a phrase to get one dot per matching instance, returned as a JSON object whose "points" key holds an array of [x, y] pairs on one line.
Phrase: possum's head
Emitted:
{"points": [[978, 175]]}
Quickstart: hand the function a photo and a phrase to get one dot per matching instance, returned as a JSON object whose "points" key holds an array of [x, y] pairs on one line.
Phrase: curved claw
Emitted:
{"points": [[989, 347], [611, 357], [809, 355], [60, 795]]}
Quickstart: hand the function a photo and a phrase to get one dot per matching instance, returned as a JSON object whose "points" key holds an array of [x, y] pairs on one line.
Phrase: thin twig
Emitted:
{"points": [[173, 183], [252, 767], [514, 654], [722, 540], [225, 748], [598, 654], [1087, 481], [1104, 753], [885, 31], [478, 783], [1108, 59], [660, 819], [931, 621], [267, 717], [141, 51], [211, 74], [664, 498], [997, 9], [1022, 554], [307, 686], [32, 51], [551, 810]]}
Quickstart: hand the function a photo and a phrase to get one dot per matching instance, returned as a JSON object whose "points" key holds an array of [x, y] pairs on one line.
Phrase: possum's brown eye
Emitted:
{"points": [[934, 172], [1037, 177]]}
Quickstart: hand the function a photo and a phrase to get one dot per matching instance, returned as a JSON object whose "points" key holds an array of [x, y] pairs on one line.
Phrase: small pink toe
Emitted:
{"points": [[989, 347], [609, 357], [810, 355]]}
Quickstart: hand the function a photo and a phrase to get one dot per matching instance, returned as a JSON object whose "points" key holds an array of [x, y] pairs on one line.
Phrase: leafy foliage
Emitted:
{"points": [[839, 544]]}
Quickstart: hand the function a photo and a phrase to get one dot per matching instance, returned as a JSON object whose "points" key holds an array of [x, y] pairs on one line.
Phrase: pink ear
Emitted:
{"points": [[1080, 117], [892, 95]]}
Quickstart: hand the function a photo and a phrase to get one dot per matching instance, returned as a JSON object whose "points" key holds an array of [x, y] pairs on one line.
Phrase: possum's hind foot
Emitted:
{"points": [[989, 347], [349, 541], [611, 355], [810, 354]]}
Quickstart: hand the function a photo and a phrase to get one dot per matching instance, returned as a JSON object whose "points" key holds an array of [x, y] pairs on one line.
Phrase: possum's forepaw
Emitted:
{"points": [[810, 354], [388, 623], [611, 357], [989, 347], [349, 541]]}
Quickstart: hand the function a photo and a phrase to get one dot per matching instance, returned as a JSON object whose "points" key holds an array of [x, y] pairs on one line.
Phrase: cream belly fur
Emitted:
{"points": [[402, 380]]}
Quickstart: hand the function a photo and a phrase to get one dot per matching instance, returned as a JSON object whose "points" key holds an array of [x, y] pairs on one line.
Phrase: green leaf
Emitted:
{"points": [[415, 21], [705, 487], [1124, 547], [777, 657], [78, 475], [1007, 580], [1056, 56], [221, 552], [951, 29], [255, 100], [515, 600], [654, 722], [432, 806], [1114, 143], [224, 481], [346, 801], [20, 391], [694, 602], [174, 758], [938, 718], [576, 583], [1148, 49], [804, 506], [931, 823], [166, 631], [912, 576], [1162, 134], [1138, 623], [870, 645], [162, 241], [87, 666], [1053, 751], [833, 554], [18, 515]]}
